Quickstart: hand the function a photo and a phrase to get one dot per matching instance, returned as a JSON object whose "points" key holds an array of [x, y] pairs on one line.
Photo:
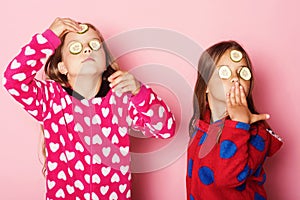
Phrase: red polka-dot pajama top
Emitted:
{"points": [[87, 141], [231, 169]]}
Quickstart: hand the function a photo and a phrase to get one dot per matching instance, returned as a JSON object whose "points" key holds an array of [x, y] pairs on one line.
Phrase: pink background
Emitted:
{"points": [[269, 31]]}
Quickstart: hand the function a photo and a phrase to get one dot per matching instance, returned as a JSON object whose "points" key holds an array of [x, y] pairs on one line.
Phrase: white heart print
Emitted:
{"points": [[62, 175], [106, 151], [51, 184], [54, 147], [29, 51], [28, 101], [105, 170], [14, 92], [19, 76], [79, 165], [70, 189], [79, 184], [122, 187], [95, 178], [105, 112], [31, 63], [97, 139], [106, 131], [60, 194], [104, 189], [40, 39], [52, 165], [15, 64], [79, 147], [115, 178], [96, 159], [113, 196], [48, 52]]}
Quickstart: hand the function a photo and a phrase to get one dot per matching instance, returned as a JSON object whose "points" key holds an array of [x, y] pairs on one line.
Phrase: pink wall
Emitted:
{"points": [[267, 29]]}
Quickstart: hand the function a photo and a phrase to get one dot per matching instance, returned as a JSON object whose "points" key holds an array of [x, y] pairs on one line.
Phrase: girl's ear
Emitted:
{"points": [[62, 68]]}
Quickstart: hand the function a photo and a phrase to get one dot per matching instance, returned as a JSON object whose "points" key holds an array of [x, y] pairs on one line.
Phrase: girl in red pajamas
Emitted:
{"points": [[86, 110], [229, 139]]}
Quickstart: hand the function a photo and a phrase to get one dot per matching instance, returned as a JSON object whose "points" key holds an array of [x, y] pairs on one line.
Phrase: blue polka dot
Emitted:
{"points": [[258, 197], [258, 142], [227, 149], [191, 197], [243, 126], [243, 175], [241, 187], [202, 139], [263, 180], [190, 167], [206, 175]]}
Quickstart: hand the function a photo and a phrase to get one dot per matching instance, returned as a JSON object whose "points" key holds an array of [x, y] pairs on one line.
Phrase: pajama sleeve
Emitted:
{"points": [[239, 154], [151, 115], [19, 77]]}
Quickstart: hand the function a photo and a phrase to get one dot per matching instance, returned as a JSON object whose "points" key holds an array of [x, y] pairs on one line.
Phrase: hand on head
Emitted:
{"points": [[62, 25], [237, 107]]}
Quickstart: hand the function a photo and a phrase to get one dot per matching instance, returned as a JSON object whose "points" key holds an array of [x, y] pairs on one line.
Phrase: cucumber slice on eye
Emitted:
{"points": [[95, 44], [75, 48], [245, 73], [236, 55], [84, 28], [224, 72]]}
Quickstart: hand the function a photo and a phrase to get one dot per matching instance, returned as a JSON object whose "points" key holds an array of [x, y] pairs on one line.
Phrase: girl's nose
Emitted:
{"points": [[234, 78], [87, 50]]}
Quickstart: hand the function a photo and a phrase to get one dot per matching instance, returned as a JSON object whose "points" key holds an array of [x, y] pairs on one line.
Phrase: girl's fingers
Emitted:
{"points": [[258, 117], [123, 82], [63, 25], [71, 25], [228, 99], [117, 79], [121, 85], [243, 96], [232, 96], [114, 75], [237, 93]]}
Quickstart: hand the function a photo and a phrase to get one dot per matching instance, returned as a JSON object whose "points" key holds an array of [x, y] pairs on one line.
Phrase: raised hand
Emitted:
{"points": [[62, 25], [237, 107], [121, 81]]}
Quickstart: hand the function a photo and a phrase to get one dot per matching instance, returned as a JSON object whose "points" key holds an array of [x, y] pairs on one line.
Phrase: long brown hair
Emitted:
{"points": [[206, 67], [52, 72]]}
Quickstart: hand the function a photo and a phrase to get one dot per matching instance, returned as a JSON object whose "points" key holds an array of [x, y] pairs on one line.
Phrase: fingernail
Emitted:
{"points": [[268, 116]]}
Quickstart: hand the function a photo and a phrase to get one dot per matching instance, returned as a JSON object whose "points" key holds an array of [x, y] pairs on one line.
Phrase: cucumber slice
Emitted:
{"points": [[245, 73], [224, 72], [84, 28], [236, 55], [75, 48], [95, 44]]}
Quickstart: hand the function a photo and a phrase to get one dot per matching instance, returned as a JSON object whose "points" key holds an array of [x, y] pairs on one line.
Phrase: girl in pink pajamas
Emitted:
{"points": [[229, 139], [86, 109]]}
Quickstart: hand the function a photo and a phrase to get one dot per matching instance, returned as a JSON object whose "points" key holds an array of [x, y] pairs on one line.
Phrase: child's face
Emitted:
{"points": [[88, 61], [214, 85]]}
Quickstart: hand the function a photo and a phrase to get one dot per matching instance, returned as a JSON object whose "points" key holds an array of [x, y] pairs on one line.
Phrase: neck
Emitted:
{"points": [[217, 108], [86, 86]]}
